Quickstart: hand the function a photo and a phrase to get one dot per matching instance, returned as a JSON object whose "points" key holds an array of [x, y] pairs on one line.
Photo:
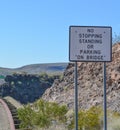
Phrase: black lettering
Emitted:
{"points": [[96, 41], [92, 35], [90, 57], [95, 52], [94, 57], [87, 57], [81, 51], [80, 57], [85, 41], [80, 35], [85, 51], [90, 30], [80, 41], [90, 46], [98, 36]]}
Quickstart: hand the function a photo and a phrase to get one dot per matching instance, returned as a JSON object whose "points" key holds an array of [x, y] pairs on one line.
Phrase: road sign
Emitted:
{"points": [[90, 43]]}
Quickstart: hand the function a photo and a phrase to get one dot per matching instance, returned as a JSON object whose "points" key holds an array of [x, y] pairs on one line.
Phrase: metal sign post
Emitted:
{"points": [[105, 97], [76, 98]]}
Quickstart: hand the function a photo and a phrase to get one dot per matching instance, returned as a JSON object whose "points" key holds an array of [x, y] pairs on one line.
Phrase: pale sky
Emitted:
{"points": [[37, 31]]}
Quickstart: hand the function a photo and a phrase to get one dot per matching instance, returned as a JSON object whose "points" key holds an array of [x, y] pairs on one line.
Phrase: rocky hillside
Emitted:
{"points": [[90, 84]]}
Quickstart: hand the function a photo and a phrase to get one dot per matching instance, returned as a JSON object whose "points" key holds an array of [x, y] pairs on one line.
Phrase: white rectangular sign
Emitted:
{"points": [[90, 43]]}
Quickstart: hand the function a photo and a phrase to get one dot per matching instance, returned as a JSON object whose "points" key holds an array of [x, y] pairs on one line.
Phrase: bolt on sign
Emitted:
{"points": [[90, 43]]}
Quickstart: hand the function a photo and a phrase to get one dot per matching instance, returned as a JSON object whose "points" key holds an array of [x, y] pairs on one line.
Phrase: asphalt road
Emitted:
{"points": [[4, 122]]}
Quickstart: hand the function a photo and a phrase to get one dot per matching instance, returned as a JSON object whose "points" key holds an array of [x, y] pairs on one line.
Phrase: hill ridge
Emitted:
{"points": [[49, 68]]}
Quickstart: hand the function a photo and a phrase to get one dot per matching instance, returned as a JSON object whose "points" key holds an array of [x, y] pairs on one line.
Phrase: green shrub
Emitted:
{"points": [[92, 118], [88, 119], [25, 115], [41, 114]]}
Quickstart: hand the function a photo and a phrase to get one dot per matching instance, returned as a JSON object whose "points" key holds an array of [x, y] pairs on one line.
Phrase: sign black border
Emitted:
{"points": [[91, 27]]}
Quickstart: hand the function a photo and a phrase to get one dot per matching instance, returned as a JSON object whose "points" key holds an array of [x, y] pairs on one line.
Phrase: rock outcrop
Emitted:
{"points": [[90, 84], [26, 88]]}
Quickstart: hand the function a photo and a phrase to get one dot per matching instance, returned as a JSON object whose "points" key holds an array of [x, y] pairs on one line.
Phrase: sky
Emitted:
{"points": [[37, 31]]}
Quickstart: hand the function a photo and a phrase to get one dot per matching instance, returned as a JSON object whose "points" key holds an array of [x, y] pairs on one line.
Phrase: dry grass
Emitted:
{"points": [[53, 127], [114, 124]]}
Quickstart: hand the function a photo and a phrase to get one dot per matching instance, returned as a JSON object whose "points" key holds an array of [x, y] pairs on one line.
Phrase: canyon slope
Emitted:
{"points": [[28, 83]]}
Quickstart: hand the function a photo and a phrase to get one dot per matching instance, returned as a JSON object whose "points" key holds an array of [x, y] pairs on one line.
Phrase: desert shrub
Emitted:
{"points": [[88, 119], [92, 118], [42, 114], [25, 115], [46, 115]]}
